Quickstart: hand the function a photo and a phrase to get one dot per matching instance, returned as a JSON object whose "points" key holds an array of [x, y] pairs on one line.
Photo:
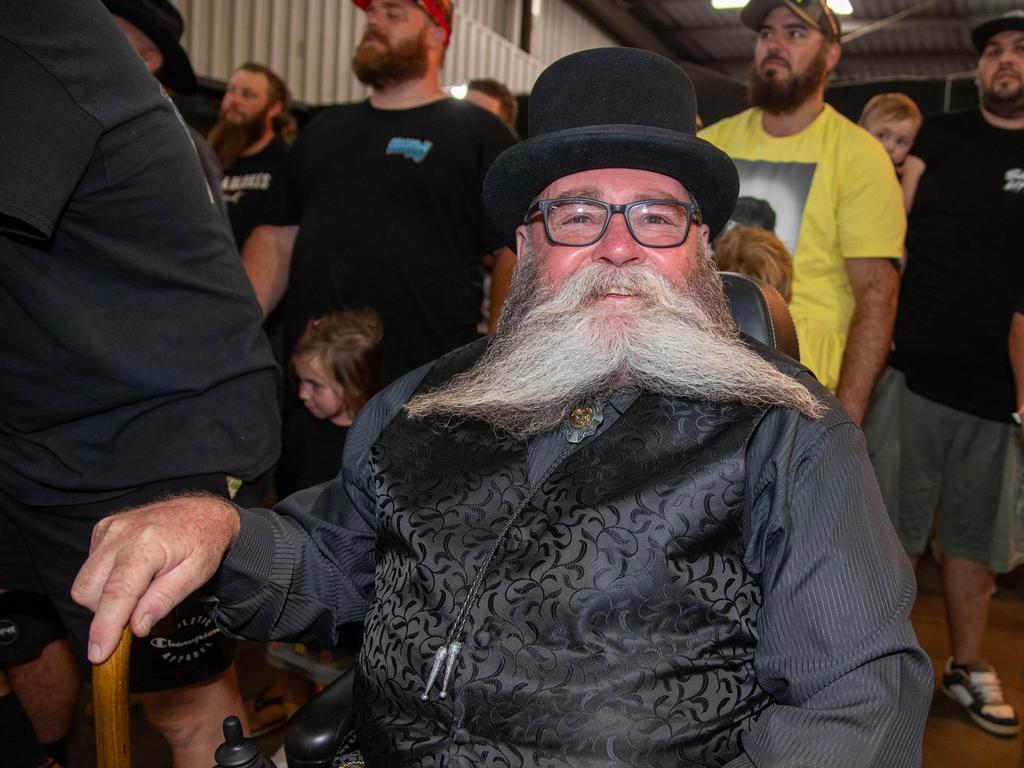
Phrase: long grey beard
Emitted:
{"points": [[551, 354]]}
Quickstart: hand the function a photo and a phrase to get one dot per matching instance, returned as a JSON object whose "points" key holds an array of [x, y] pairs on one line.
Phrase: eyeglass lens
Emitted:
{"points": [[580, 222]]}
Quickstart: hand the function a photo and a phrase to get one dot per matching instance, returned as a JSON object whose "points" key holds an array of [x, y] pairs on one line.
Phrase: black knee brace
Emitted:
{"points": [[28, 623]]}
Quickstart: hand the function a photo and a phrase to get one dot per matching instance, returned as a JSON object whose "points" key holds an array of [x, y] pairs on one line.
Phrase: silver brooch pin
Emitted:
{"points": [[582, 421]]}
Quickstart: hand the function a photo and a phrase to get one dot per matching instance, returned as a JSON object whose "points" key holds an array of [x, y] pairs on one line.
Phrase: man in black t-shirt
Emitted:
{"points": [[134, 363], [953, 387], [380, 204], [249, 145]]}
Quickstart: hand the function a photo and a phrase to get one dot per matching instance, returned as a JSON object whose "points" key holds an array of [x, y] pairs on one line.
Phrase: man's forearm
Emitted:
{"points": [[1017, 356], [869, 337], [267, 257]]}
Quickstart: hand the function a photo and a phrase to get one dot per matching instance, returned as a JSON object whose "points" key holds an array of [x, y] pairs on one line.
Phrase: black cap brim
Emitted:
{"points": [[981, 34]]}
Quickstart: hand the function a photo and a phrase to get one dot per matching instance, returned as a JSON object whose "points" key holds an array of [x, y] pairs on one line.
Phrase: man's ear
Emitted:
{"points": [[275, 109], [437, 36], [521, 234], [832, 55]]}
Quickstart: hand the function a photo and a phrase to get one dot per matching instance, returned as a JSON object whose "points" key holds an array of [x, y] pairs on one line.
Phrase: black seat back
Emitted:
{"points": [[761, 313]]}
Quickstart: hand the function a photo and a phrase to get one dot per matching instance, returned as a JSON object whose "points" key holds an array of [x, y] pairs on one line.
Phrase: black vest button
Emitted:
{"points": [[461, 737], [482, 638]]}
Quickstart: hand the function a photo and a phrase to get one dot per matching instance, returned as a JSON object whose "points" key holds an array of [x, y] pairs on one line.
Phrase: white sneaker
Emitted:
{"points": [[981, 693]]}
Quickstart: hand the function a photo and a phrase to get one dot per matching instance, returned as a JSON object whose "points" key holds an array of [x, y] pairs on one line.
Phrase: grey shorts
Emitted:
{"points": [[932, 459]]}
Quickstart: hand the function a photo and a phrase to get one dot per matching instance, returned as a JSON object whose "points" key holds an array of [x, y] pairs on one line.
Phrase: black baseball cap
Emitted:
{"points": [[1010, 20], [815, 13]]}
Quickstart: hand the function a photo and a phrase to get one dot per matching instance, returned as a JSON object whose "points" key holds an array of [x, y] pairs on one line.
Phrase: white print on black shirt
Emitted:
{"points": [[187, 648], [1014, 180], [234, 186]]}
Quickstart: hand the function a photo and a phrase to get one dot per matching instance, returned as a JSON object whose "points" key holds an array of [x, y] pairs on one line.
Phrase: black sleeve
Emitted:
{"points": [[47, 143], [837, 652], [301, 570], [284, 204]]}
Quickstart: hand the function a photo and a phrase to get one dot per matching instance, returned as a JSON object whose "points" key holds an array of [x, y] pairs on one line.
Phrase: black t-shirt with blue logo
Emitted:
{"points": [[388, 203]]}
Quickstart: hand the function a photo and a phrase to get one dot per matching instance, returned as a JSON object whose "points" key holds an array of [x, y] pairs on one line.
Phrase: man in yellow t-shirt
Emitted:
{"points": [[836, 201]]}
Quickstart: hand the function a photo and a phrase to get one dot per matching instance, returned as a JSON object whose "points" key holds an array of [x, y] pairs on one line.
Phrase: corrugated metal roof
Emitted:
{"points": [[933, 41]]}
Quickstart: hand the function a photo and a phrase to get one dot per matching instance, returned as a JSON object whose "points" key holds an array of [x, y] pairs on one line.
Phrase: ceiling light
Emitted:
{"points": [[726, 4]]}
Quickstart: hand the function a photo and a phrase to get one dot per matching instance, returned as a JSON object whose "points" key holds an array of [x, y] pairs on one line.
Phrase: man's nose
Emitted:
{"points": [[618, 246]]}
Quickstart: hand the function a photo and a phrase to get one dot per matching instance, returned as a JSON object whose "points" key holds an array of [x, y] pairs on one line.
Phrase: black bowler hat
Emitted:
{"points": [[610, 108], [1009, 20], [162, 24]]}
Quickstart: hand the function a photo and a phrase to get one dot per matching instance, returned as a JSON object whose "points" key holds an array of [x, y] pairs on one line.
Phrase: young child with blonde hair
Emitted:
{"points": [[759, 254], [894, 119]]}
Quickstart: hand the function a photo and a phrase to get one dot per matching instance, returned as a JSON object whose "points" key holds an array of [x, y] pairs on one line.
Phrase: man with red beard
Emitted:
{"points": [[380, 203], [249, 145], [942, 424], [617, 533], [836, 198]]}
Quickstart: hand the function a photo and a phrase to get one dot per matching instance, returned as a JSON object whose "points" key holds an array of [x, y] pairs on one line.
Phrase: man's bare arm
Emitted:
{"points": [[913, 169], [1017, 357], [501, 278], [875, 285], [267, 257]]}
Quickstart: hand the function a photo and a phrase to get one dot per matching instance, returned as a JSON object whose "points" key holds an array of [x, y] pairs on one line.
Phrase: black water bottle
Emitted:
{"points": [[238, 751]]}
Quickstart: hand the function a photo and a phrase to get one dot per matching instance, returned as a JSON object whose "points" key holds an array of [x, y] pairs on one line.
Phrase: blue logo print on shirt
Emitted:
{"points": [[414, 149]]}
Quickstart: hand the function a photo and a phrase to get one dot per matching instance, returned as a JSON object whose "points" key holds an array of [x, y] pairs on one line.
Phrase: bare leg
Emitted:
{"points": [[191, 718], [968, 586]]}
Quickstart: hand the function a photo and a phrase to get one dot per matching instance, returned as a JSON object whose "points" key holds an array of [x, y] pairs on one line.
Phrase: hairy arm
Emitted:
{"points": [[267, 257], [875, 285], [501, 278], [1017, 357]]}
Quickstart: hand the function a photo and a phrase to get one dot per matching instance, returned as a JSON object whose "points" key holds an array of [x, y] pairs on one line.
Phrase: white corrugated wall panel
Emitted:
{"points": [[310, 42]]}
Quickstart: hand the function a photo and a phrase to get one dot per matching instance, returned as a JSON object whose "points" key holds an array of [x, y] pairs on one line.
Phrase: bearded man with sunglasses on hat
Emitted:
{"points": [[837, 202], [616, 533]]}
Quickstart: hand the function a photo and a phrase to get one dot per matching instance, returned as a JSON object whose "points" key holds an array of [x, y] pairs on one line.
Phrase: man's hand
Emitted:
{"points": [[145, 561]]}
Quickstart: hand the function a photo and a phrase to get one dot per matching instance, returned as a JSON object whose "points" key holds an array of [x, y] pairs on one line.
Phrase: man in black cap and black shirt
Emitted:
{"points": [[615, 533], [952, 392]]}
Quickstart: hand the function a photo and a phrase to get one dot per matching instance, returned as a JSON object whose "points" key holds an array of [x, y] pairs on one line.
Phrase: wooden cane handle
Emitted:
{"points": [[110, 702]]}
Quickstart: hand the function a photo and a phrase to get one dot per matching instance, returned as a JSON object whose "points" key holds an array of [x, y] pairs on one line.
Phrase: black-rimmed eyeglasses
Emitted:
{"points": [[582, 221]]}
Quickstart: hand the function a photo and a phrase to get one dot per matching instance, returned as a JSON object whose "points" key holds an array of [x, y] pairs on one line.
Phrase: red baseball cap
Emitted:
{"points": [[440, 12]]}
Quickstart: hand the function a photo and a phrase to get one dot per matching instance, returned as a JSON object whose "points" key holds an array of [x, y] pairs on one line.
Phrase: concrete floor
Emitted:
{"points": [[951, 740]]}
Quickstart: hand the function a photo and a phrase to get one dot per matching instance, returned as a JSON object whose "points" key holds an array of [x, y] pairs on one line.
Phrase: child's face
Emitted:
{"points": [[318, 391], [897, 136]]}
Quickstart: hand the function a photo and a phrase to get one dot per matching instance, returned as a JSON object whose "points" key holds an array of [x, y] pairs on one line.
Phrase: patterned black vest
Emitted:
{"points": [[615, 624]]}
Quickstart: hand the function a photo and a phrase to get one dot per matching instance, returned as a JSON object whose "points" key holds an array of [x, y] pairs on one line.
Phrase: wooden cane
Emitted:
{"points": [[110, 702]]}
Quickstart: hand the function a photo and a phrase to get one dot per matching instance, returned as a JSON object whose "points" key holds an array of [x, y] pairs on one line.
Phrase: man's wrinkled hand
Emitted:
{"points": [[145, 561]]}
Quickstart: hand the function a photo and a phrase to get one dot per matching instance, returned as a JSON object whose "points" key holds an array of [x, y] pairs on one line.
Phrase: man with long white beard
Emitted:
{"points": [[837, 204], [616, 534]]}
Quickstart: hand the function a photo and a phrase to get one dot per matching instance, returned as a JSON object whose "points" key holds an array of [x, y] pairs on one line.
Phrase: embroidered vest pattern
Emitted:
{"points": [[616, 625]]}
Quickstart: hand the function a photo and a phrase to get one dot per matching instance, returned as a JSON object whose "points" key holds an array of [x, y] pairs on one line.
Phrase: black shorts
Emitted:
{"points": [[42, 549]]}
